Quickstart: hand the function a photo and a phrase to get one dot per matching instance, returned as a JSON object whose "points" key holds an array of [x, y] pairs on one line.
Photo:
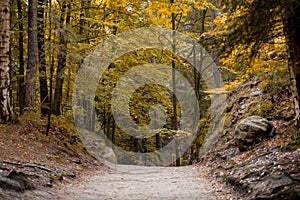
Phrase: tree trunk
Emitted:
{"points": [[292, 32], [174, 117], [51, 57], [113, 134], [62, 60], [44, 98], [158, 141], [32, 56], [21, 85], [6, 107], [108, 133], [68, 91]]}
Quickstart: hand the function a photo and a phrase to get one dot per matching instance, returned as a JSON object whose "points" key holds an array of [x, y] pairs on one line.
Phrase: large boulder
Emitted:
{"points": [[251, 130]]}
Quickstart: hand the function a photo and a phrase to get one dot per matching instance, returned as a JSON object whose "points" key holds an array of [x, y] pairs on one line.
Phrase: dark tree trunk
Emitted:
{"points": [[174, 117], [108, 133], [6, 108], [21, 85], [69, 75], [138, 145], [158, 141], [44, 98], [51, 67], [113, 133], [32, 56], [292, 33], [62, 60], [68, 91]]}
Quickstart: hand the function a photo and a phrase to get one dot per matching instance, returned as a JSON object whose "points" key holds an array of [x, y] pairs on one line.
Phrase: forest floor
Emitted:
{"points": [[57, 166]]}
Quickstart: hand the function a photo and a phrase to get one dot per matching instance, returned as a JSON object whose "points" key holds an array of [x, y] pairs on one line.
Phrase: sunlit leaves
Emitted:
{"points": [[251, 45]]}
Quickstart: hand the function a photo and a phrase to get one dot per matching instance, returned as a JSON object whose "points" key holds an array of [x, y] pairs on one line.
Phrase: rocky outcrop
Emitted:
{"points": [[270, 167], [251, 130], [272, 175]]}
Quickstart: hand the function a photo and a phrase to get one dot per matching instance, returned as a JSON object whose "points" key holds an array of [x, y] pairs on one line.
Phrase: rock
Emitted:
{"points": [[21, 178], [251, 130], [8, 184], [266, 176], [16, 181]]}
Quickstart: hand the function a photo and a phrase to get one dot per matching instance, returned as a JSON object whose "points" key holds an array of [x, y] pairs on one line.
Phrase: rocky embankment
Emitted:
{"points": [[270, 175], [258, 152]]}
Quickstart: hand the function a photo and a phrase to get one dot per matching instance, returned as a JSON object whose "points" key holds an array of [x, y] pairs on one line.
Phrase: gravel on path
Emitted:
{"points": [[126, 182]]}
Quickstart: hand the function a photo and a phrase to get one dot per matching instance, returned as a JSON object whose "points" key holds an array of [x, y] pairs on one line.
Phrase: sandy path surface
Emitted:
{"points": [[140, 182]]}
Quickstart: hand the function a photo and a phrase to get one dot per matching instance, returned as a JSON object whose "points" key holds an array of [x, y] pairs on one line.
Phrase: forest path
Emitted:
{"points": [[141, 182]]}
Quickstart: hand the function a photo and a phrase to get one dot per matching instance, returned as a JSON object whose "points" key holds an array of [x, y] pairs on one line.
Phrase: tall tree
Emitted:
{"points": [[62, 57], [291, 27], [51, 34], [21, 85], [174, 117], [44, 98], [32, 56], [6, 110]]}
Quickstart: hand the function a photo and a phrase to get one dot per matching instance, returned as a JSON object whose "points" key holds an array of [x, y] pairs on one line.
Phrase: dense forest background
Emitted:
{"points": [[44, 42]]}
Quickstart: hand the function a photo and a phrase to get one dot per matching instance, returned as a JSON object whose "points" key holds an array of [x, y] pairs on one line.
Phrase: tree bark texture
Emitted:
{"points": [[5, 78], [21, 80], [291, 24], [32, 56]]}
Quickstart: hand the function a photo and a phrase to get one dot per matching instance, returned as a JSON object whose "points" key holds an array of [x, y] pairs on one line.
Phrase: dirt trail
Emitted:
{"points": [[140, 182]]}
